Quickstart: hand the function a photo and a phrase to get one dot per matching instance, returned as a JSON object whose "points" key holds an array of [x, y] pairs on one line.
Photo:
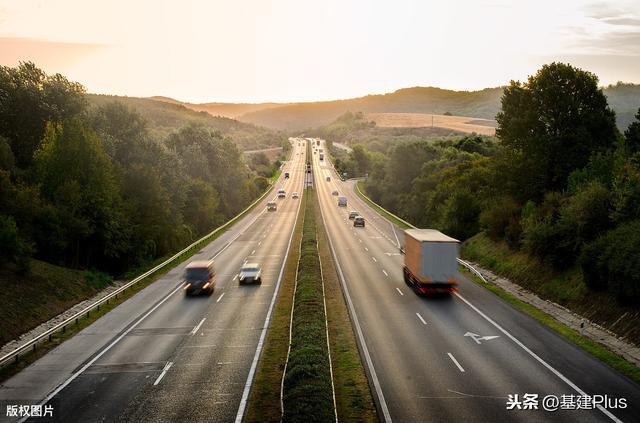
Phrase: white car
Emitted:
{"points": [[282, 193], [295, 195], [250, 273]]}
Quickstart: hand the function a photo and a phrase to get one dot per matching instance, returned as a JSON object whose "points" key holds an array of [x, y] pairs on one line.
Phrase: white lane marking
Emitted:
{"points": [[421, 319], [164, 372], [540, 360], [366, 249], [253, 252], [365, 350], [455, 362], [197, 328], [385, 272], [254, 364], [374, 259], [359, 240], [259, 242], [235, 277], [220, 297], [399, 292]]}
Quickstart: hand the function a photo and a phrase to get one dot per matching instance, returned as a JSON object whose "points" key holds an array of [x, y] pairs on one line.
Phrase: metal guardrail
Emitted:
{"points": [[61, 327]]}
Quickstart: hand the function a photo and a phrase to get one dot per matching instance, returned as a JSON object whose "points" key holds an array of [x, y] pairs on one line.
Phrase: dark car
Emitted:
{"points": [[286, 175], [358, 221], [199, 277]]}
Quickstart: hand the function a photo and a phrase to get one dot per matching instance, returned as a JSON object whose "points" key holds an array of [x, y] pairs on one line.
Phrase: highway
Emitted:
{"points": [[178, 358], [455, 358]]}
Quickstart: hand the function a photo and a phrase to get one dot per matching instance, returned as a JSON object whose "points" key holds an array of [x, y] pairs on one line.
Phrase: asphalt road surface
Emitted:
{"points": [[182, 358], [456, 358]]}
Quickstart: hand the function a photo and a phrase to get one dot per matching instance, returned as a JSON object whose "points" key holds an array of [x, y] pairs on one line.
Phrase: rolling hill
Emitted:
{"points": [[165, 115]]}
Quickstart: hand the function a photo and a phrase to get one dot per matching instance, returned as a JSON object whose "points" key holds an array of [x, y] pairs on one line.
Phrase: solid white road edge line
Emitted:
{"points": [[247, 386], [540, 360], [365, 350], [164, 372], [455, 362], [197, 328]]}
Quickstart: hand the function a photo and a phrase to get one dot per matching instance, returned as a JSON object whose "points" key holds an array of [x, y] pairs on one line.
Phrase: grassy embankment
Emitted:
{"points": [[566, 288]]}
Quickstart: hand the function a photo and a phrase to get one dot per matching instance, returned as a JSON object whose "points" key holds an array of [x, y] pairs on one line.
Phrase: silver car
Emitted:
{"points": [[250, 273]]}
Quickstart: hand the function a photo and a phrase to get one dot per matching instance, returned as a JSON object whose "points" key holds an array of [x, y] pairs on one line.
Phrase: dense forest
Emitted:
{"points": [[559, 181], [94, 186]]}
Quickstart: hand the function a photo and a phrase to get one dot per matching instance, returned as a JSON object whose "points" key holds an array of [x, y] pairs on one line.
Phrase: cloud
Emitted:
{"points": [[614, 43], [50, 55]]}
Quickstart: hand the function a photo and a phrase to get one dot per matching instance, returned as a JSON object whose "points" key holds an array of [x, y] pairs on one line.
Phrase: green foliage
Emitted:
{"points": [[611, 262], [632, 136], [501, 220], [13, 248], [550, 126], [29, 100]]}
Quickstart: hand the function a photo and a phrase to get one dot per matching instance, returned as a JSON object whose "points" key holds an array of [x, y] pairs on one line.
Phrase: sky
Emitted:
{"points": [[302, 50]]}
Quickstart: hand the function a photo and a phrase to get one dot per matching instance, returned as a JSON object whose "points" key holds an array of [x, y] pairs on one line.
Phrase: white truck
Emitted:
{"points": [[430, 261]]}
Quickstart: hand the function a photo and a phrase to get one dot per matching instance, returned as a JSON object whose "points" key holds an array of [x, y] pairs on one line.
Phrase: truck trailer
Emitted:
{"points": [[430, 261]]}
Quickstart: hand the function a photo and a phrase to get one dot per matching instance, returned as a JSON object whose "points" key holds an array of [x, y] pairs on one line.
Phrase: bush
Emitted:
{"points": [[13, 248], [501, 220], [612, 262]]}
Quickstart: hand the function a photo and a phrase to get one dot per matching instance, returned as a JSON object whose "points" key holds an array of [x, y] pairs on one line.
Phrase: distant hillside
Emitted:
{"points": [[480, 104], [230, 110], [424, 120], [624, 99], [166, 115]]}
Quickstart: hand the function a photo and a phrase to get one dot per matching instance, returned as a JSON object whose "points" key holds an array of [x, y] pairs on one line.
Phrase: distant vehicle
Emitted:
{"points": [[342, 201], [308, 167], [250, 273], [286, 175], [199, 277], [358, 221], [328, 178], [282, 193], [430, 261], [321, 156], [271, 206], [318, 142], [295, 195], [335, 193], [353, 214]]}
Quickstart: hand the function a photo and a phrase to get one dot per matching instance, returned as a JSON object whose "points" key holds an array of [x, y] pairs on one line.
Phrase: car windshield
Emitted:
{"points": [[197, 274], [249, 269]]}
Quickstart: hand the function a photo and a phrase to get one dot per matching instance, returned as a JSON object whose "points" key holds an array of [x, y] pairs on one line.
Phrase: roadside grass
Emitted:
{"points": [[354, 401], [384, 213], [308, 385], [600, 352], [93, 279], [566, 288], [264, 400]]}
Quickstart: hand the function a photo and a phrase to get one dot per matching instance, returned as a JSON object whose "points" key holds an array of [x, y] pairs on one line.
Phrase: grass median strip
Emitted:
{"points": [[308, 387]]}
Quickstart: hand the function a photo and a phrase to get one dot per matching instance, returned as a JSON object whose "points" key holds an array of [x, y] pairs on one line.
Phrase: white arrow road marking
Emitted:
{"points": [[455, 362], [479, 338], [392, 254], [164, 372]]}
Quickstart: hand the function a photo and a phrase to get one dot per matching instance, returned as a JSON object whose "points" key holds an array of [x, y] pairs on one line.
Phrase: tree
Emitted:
{"points": [[30, 98], [632, 135], [550, 126]]}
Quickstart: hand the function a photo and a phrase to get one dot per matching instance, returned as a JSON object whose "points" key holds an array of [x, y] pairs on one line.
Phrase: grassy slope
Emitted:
{"points": [[28, 300], [565, 288]]}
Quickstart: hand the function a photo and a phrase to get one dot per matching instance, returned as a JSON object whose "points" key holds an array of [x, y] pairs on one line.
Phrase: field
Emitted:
{"points": [[423, 120]]}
